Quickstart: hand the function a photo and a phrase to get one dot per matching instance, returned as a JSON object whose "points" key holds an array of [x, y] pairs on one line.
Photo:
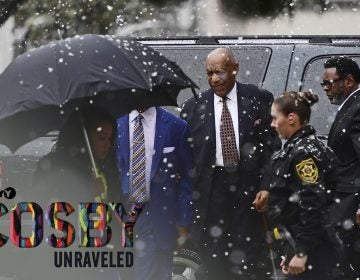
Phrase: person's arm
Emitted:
{"points": [[187, 109], [270, 143], [269, 140], [358, 216], [185, 184], [261, 200], [295, 266], [355, 136], [308, 211], [311, 202], [355, 133]]}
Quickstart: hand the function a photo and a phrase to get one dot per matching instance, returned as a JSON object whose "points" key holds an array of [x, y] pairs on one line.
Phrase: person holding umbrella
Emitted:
{"points": [[304, 173], [67, 173], [93, 69]]}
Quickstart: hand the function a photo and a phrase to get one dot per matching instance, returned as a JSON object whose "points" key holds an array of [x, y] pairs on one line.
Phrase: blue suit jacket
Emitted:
{"points": [[170, 187]]}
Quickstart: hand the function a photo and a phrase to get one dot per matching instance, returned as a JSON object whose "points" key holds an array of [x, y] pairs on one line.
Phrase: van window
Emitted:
{"points": [[323, 113], [253, 62]]}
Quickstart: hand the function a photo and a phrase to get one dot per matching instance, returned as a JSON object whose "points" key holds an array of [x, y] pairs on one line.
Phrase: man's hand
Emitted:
{"points": [[261, 200], [284, 265], [183, 234], [358, 217], [295, 266]]}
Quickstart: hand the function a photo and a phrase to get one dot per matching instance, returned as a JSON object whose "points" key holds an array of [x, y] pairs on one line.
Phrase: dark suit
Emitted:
{"points": [[344, 139], [257, 143], [170, 191]]}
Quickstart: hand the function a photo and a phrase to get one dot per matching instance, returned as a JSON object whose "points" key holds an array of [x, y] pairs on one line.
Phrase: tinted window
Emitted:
{"points": [[253, 63]]}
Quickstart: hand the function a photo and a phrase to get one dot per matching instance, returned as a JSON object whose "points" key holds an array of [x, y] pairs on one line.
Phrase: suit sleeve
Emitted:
{"points": [[355, 138], [187, 109], [355, 134], [185, 179], [310, 201], [269, 141]]}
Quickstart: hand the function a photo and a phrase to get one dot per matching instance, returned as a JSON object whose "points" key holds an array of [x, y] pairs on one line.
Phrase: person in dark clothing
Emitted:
{"points": [[67, 174], [232, 143], [303, 177], [341, 80]]}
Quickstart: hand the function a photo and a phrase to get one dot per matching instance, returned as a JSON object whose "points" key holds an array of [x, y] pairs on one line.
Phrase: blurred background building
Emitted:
{"points": [[29, 23]]}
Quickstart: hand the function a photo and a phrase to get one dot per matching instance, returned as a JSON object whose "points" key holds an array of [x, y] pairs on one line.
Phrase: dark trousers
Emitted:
{"points": [[344, 217], [231, 247], [151, 260], [351, 239]]}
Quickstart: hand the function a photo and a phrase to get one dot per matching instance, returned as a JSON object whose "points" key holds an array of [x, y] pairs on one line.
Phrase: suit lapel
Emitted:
{"points": [[333, 126], [160, 133], [124, 147], [244, 105], [341, 113], [209, 117]]}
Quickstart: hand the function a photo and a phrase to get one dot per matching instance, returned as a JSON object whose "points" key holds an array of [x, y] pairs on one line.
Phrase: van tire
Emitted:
{"points": [[185, 264]]}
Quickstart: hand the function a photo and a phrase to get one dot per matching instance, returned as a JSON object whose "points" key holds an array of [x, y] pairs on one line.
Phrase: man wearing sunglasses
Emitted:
{"points": [[341, 80]]}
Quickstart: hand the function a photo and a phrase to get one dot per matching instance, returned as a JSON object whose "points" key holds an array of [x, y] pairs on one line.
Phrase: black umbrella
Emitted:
{"points": [[42, 86]]}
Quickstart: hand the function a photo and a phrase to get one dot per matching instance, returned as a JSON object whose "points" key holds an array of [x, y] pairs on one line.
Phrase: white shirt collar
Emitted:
{"points": [[232, 95], [148, 115], [347, 98]]}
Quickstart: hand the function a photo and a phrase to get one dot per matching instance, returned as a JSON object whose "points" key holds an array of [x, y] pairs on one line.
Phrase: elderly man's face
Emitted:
{"points": [[221, 73]]}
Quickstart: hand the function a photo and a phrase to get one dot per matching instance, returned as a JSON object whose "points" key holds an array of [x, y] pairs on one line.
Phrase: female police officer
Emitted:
{"points": [[303, 176]]}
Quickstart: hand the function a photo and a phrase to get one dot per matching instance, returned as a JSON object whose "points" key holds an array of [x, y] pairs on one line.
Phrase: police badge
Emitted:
{"points": [[308, 171]]}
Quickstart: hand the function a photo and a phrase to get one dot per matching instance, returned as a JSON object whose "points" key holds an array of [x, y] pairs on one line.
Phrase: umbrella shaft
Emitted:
{"points": [[88, 146]]}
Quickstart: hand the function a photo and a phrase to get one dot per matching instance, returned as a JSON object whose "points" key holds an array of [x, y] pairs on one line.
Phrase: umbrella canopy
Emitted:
{"points": [[42, 86]]}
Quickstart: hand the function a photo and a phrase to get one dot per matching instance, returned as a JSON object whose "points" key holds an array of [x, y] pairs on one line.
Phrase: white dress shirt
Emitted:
{"points": [[233, 109], [149, 123]]}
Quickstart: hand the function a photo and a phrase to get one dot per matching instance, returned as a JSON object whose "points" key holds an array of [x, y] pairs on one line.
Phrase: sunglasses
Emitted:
{"points": [[330, 82]]}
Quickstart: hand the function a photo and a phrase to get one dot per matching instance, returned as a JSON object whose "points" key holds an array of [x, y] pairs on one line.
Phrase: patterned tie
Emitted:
{"points": [[227, 136], [138, 183]]}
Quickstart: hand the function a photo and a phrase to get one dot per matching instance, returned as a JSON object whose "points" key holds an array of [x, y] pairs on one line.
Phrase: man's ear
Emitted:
{"points": [[350, 81], [236, 68]]}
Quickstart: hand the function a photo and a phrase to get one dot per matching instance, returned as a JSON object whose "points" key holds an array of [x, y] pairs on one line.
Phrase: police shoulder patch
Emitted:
{"points": [[308, 171]]}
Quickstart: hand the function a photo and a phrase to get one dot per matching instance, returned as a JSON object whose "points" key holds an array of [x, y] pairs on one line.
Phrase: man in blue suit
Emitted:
{"points": [[155, 163]]}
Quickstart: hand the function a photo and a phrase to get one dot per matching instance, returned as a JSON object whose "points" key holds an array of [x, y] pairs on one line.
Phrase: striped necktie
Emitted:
{"points": [[138, 182], [227, 136]]}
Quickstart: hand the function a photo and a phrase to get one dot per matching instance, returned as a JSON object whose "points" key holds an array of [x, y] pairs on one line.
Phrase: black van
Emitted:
{"points": [[275, 63]]}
